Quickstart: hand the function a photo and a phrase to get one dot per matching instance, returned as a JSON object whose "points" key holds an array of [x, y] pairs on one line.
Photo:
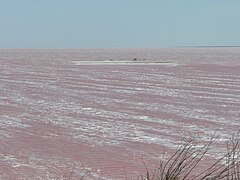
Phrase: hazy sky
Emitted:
{"points": [[118, 23]]}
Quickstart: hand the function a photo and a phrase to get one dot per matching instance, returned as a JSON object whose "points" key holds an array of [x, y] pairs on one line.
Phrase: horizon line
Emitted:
{"points": [[166, 47]]}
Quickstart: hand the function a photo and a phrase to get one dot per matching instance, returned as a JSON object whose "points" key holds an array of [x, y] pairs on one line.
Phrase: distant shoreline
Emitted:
{"points": [[206, 46], [90, 48]]}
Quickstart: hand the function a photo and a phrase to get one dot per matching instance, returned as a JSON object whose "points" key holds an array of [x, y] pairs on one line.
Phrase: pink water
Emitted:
{"points": [[57, 117]]}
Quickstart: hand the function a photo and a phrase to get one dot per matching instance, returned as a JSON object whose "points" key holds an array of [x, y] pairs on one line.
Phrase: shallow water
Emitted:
{"points": [[58, 116]]}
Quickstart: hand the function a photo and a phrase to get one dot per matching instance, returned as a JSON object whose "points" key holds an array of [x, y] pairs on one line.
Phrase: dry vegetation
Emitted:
{"points": [[185, 163]]}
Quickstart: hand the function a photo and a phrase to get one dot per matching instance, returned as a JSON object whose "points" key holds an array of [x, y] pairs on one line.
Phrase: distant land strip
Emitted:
{"points": [[206, 46]]}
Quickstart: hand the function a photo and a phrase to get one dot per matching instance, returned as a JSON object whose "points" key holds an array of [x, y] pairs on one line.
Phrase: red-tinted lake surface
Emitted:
{"points": [[59, 116]]}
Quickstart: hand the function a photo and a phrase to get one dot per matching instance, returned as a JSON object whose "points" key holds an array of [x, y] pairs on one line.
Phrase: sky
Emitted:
{"points": [[118, 23]]}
